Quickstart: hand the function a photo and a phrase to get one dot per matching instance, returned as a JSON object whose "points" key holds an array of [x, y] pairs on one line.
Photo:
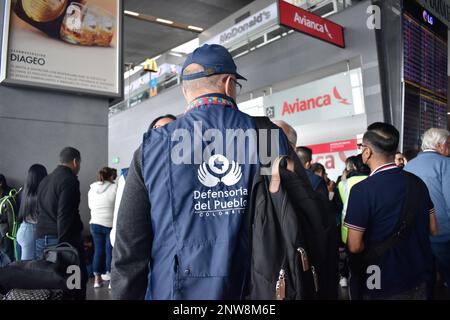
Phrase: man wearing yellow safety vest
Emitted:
{"points": [[355, 172]]}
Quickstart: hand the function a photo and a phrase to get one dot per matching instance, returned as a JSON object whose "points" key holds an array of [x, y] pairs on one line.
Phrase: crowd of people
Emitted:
{"points": [[152, 241], [48, 213]]}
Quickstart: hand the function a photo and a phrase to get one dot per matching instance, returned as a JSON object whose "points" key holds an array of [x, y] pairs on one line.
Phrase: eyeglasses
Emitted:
{"points": [[362, 146], [238, 86]]}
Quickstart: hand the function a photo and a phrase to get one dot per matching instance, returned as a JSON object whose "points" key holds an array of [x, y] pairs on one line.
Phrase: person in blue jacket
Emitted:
{"points": [[182, 229], [433, 167]]}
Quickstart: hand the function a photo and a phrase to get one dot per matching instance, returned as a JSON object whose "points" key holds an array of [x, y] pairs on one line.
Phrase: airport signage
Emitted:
{"points": [[324, 99], [332, 155], [247, 27], [308, 23]]}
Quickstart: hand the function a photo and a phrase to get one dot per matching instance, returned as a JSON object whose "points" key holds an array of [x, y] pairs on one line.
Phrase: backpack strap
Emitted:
{"points": [[263, 123], [9, 202], [404, 225], [276, 178]]}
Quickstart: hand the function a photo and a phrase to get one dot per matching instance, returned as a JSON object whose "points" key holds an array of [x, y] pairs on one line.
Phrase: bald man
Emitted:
{"points": [[289, 131]]}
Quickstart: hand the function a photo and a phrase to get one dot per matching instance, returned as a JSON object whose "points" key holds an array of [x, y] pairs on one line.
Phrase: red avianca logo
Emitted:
{"points": [[313, 103]]}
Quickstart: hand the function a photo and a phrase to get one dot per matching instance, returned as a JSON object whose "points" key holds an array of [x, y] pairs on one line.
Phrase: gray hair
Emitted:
{"points": [[288, 130], [211, 83], [433, 137]]}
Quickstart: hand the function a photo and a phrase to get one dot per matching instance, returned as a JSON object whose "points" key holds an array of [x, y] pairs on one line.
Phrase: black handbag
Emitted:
{"points": [[62, 255], [31, 274], [47, 273]]}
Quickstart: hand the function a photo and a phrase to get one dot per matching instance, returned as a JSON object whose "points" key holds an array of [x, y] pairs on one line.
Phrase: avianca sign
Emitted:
{"points": [[333, 155], [313, 103], [310, 24], [324, 99]]}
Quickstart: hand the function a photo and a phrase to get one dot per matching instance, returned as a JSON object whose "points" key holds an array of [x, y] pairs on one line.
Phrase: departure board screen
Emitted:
{"points": [[425, 73]]}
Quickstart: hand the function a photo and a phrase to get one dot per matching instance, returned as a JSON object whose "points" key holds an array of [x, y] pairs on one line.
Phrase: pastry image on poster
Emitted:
{"points": [[87, 26], [65, 44], [80, 22]]}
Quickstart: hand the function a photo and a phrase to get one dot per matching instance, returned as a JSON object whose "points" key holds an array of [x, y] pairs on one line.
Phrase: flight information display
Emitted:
{"points": [[425, 73]]}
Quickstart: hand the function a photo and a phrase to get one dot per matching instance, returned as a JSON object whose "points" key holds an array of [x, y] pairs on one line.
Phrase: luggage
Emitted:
{"points": [[294, 236], [45, 278], [62, 255]]}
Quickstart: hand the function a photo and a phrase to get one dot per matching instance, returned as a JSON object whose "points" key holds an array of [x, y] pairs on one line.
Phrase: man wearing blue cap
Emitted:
{"points": [[182, 229]]}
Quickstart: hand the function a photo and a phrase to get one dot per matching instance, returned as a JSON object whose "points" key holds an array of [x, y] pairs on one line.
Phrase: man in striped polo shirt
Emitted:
{"points": [[391, 250]]}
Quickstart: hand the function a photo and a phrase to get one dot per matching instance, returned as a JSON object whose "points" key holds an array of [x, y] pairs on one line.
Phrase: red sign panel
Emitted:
{"points": [[337, 146], [310, 24]]}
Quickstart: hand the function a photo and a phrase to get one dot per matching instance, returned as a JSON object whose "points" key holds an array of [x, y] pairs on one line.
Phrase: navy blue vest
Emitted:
{"points": [[198, 187]]}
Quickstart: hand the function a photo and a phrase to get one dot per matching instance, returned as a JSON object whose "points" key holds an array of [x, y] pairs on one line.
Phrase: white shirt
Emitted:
{"points": [[101, 199]]}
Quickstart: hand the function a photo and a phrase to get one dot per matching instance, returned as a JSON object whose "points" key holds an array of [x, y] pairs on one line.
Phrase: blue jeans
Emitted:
{"points": [[102, 249], [4, 260], [441, 252], [26, 238], [43, 243]]}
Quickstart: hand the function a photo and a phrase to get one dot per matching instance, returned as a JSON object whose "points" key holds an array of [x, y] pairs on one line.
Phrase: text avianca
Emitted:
{"points": [[305, 21], [313, 103], [303, 105]]}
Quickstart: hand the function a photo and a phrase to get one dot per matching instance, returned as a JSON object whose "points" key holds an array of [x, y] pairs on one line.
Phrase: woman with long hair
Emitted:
{"points": [[28, 214]]}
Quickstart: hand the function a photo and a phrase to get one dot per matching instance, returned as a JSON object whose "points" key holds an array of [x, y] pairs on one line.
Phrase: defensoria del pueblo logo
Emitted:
{"points": [[226, 199], [217, 165]]}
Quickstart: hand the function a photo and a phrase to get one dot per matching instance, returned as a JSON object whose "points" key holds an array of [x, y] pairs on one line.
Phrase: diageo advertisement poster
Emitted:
{"points": [[63, 44]]}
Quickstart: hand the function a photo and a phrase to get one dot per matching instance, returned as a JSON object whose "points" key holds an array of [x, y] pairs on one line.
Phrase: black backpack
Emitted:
{"points": [[294, 235]]}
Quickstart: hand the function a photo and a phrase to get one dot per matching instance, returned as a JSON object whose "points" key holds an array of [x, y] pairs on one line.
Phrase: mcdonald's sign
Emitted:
{"points": [[150, 65]]}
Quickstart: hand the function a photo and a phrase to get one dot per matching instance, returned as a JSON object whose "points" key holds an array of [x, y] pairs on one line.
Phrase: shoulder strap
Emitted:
{"points": [[275, 182], [404, 225], [9, 202], [263, 123]]}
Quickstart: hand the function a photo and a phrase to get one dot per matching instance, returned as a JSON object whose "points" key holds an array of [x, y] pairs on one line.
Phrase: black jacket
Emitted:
{"points": [[58, 202]]}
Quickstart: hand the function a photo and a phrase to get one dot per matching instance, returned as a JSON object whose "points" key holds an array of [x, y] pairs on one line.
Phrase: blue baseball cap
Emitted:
{"points": [[215, 59]]}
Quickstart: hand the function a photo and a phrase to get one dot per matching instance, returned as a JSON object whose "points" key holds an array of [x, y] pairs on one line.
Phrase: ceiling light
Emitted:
{"points": [[176, 54], [195, 28], [273, 39], [131, 13], [164, 21]]}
